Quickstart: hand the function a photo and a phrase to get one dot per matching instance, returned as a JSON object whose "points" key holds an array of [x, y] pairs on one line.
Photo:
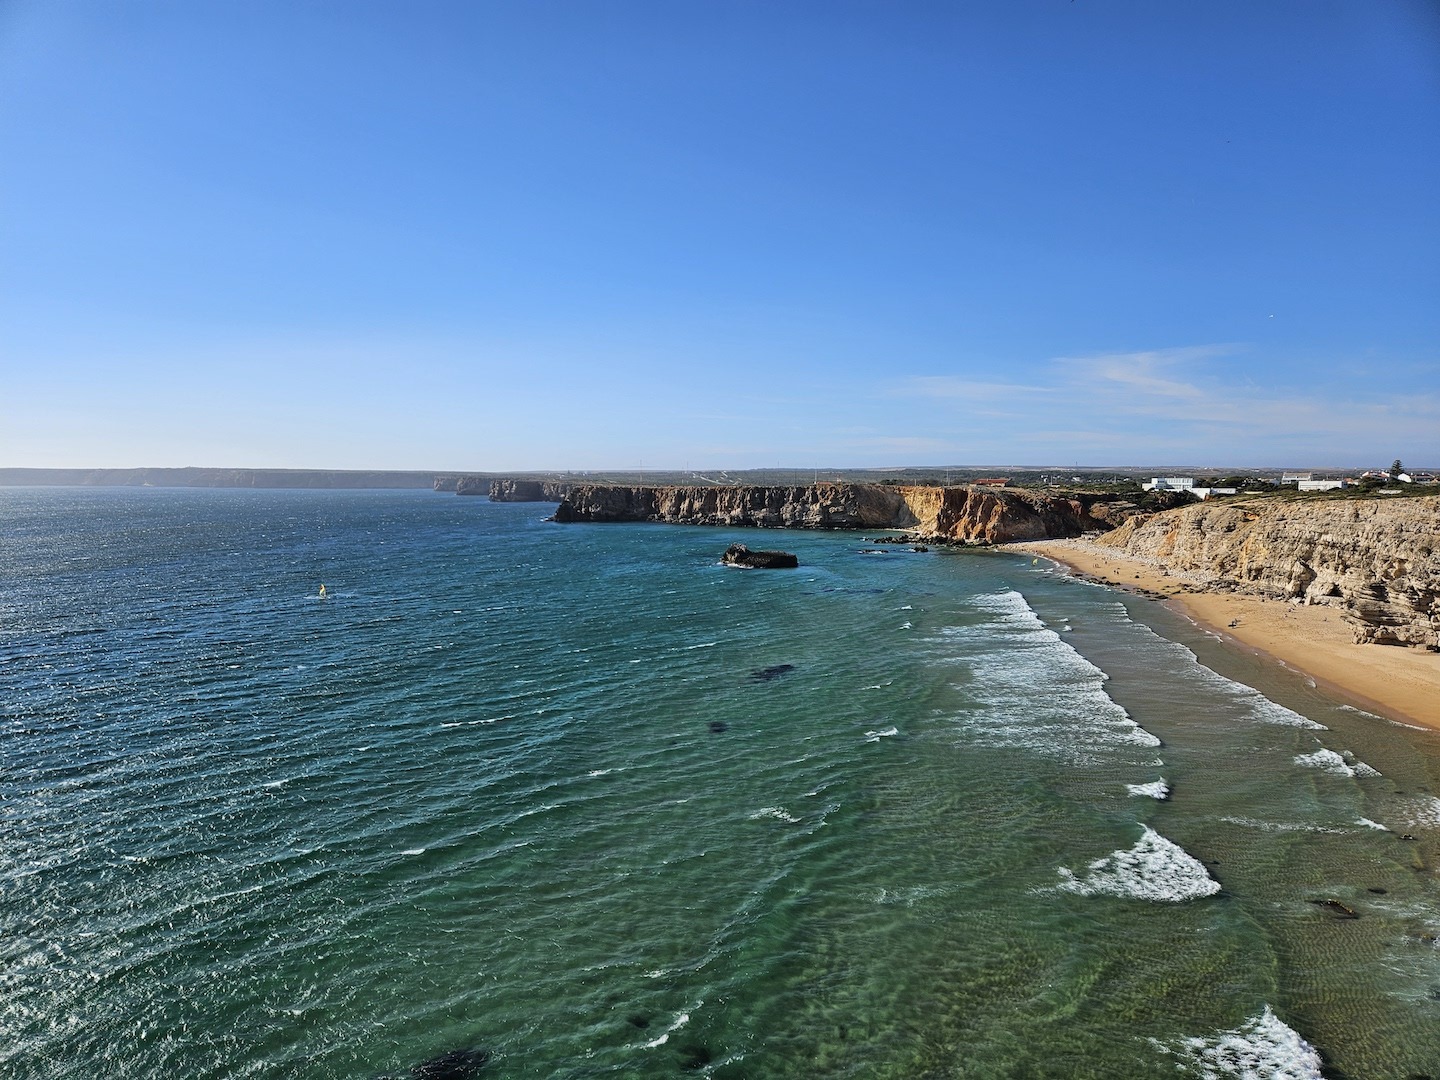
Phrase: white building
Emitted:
{"points": [[1206, 492], [1321, 485], [1169, 483]]}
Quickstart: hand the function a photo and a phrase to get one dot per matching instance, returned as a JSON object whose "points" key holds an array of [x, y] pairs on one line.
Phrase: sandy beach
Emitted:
{"points": [[1399, 683]]}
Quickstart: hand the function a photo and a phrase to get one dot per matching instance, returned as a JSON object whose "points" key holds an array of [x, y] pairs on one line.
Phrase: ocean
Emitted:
{"points": [[584, 802]]}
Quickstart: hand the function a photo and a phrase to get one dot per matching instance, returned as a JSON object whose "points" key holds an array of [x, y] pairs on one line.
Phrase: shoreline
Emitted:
{"points": [[1399, 684]]}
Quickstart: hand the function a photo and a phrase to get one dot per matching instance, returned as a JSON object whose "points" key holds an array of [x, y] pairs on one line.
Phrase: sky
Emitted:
{"points": [[566, 234]]}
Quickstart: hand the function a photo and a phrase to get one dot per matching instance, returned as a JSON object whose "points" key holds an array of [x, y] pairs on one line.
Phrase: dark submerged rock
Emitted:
{"points": [[459, 1064], [695, 1057], [740, 555], [773, 672], [1336, 908], [718, 726]]}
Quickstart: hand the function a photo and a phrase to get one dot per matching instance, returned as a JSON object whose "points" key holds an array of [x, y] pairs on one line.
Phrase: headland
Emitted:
{"points": [[1344, 589]]}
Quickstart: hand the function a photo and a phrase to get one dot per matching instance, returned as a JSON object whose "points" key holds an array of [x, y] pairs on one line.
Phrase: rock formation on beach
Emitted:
{"points": [[1375, 560]]}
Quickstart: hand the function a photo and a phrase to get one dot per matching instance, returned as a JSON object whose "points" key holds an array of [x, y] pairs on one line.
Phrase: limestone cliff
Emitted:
{"points": [[955, 514], [823, 506], [999, 515], [1373, 559], [513, 490]]}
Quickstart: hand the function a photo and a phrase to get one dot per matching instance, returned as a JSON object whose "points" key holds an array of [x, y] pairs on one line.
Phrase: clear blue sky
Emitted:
{"points": [[719, 234]]}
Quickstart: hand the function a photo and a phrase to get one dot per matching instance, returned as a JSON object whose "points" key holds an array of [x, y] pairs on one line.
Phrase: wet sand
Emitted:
{"points": [[1399, 683]]}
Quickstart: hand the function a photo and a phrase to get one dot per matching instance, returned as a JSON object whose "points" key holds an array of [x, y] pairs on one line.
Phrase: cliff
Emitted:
{"points": [[953, 514], [513, 490], [1373, 559], [987, 515]]}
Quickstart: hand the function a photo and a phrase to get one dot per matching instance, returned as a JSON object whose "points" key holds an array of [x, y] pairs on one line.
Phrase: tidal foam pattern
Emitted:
{"points": [[1154, 869], [1244, 702], [1036, 690]]}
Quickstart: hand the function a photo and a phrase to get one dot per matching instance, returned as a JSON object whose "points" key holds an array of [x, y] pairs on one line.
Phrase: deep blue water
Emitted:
{"points": [[584, 798]]}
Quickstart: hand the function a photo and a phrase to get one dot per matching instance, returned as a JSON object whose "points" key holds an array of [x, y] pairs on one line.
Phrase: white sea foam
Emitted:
{"points": [[1279, 826], [1262, 1048], [906, 626], [779, 813], [876, 736], [1371, 824], [413, 851], [664, 1037], [1038, 692], [1423, 811], [1154, 869], [702, 645], [1157, 789], [1326, 761], [1246, 703]]}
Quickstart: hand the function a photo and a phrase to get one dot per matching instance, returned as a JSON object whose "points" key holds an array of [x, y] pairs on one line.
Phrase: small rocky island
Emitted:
{"points": [[740, 555]]}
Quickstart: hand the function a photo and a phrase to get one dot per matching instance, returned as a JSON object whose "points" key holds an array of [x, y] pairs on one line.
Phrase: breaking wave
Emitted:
{"points": [[1154, 869]]}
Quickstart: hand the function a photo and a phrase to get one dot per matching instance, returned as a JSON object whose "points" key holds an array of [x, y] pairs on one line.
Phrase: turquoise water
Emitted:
{"points": [[553, 792]]}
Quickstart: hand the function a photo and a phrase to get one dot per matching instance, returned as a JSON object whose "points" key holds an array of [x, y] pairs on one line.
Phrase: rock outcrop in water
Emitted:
{"points": [[740, 555], [973, 515], [1373, 559]]}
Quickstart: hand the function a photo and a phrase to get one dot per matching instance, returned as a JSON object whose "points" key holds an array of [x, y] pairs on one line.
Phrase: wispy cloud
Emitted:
{"points": [[1183, 401], [1153, 372]]}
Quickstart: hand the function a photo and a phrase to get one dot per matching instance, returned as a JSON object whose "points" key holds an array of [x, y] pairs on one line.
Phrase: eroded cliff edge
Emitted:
{"points": [[1375, 560], [973, 515]]}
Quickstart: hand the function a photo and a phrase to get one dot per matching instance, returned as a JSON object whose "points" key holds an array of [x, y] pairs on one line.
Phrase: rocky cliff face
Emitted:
{"points": [[956, 514], [513, 490], [823, 506], [1000, 515], [1373, 559]]}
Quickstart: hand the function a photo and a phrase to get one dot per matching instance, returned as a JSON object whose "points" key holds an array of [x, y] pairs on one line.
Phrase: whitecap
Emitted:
{"points": [[664, 1037], [1326, 761], [1262, 1048], [599, 772], [1157, 789], [883, 733], [906, 626], [702, 645], [1371, 824], [413, 851], [777, 812], [1154, 869]]}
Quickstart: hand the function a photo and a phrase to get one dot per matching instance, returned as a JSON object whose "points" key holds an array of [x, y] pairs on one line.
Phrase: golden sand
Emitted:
{"points": [[1400, 683]]}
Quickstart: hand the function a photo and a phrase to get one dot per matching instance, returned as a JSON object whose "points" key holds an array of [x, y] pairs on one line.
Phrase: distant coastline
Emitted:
{"points": [[193, 477]]}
